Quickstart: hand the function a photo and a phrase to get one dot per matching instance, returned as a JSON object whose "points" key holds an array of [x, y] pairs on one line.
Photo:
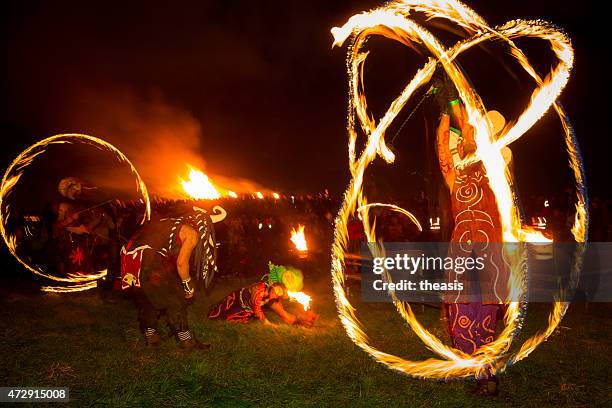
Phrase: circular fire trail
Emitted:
{"points": [[76, 282], [394, 21]]}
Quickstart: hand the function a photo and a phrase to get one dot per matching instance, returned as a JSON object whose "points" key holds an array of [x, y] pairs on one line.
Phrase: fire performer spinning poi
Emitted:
{"points": [[159, 265], [246, 304], [472, 313]]}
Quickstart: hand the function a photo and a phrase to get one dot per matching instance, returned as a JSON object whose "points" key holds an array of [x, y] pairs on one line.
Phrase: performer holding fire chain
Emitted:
{"points": [[85, 231], [160, 263], [472, 314]]}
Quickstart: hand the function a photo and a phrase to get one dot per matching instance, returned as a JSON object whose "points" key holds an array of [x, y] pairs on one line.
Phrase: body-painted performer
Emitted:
{"points": [[246, 304], [162, 264], [472, 313]]}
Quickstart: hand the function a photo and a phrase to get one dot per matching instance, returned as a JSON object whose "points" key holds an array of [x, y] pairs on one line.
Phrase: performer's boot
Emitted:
{"points": [[188, 341], [186, 338], [152, 337], [148, 318], [487, 387]]}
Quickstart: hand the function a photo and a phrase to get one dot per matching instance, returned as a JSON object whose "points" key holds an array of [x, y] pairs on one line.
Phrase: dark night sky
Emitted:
{"points": [[260, 81]]}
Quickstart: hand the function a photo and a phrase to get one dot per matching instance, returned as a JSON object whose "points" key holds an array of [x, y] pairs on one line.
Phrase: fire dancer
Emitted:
{"points": [[159, 264], [246, 304], [82, 229], [477, 225]]}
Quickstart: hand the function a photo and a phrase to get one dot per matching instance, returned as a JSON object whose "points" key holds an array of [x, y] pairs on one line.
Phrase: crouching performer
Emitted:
{"points": [[163, 264], [246, 304]]}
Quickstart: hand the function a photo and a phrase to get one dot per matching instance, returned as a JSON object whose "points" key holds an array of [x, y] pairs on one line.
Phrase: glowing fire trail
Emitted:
{"points": [[364, 208], [12, 177], [299, 239], [392, 21], [70, 289]]}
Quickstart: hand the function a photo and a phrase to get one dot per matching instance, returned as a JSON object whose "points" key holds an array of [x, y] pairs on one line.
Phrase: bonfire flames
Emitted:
{"points": [[299, 239], [199, 187]]}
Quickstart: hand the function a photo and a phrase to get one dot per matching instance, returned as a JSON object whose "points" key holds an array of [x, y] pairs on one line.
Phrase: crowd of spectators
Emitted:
{"points": [[257, 230]]}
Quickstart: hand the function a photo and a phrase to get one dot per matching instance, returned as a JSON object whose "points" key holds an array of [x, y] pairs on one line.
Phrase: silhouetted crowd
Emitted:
{"points": [[259, 230]]}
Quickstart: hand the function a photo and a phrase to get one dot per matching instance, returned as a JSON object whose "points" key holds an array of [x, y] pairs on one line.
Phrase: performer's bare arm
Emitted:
{"points": [[467, 131], [65, 218], [459, 114], [280, 310], [189, 239], [62, 213], [444, 154]]}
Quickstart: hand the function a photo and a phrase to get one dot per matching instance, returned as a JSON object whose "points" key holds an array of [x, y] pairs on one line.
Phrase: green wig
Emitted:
{"points": [[292, 278]]}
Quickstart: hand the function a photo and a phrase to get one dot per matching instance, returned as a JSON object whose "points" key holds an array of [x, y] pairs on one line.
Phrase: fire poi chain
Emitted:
{"points": [[394, 21]]}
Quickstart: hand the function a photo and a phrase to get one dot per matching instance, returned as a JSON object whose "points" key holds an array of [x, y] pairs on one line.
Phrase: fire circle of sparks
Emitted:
{"points": [[394, 21], [76, 282]]}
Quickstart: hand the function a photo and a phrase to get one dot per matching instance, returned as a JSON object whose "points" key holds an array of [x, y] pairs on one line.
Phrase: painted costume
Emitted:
{"points": [[477, 233], [242, 305], [473, 312]]}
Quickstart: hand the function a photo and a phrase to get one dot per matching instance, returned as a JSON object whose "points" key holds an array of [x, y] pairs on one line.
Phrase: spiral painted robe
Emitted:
{"points": [[477, 225]]}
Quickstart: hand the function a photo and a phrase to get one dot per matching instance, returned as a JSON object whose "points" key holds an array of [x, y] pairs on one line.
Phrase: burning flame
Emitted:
{"points": [[299, 239], [199, 186], [393, 21], [78, 282], [301, 298], [232, 194]]}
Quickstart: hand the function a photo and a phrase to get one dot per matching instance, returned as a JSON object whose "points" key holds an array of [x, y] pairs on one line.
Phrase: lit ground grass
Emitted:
{"points": [[93, 346]]}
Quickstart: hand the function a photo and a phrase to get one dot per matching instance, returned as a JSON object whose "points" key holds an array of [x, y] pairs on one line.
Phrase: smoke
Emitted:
{"points": [[159, 139], [238, 184]]}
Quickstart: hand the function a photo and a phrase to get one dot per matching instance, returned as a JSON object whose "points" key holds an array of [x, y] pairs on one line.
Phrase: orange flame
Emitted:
{"points": [[301, 298], [299, 239], [199, 186]]}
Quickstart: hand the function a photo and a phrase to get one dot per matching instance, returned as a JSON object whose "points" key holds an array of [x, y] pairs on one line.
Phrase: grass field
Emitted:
{"points": [[91, 343]]}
